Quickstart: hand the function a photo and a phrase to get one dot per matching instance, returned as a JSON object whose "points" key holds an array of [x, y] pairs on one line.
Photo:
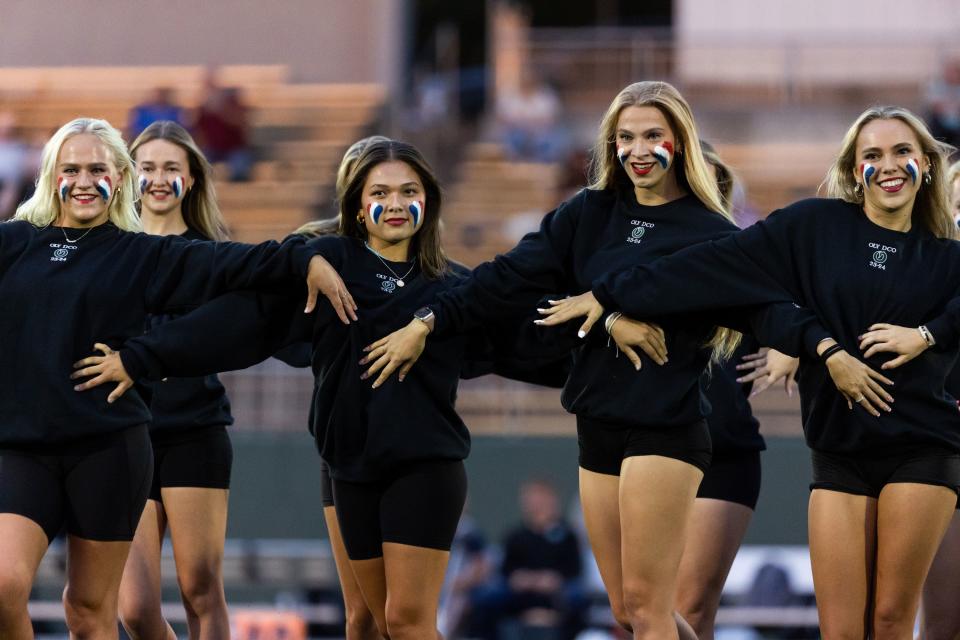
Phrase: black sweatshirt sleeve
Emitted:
{"points": [[946, 327], [748, 269], [511, 283], [188, 273], [234, 331]]}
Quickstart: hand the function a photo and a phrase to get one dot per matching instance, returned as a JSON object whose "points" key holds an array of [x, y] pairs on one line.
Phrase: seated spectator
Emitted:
{"points": [[528, 118], [943, 105], [539, 583], [16, 171], [220, 128], [159, 106]]}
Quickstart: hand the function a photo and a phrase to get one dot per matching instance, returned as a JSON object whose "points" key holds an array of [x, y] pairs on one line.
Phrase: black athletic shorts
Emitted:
{"points": [[419, 506], [733, 477], [201, 459], [604, 446], [326, 485], [95, 488], [866, 474]]}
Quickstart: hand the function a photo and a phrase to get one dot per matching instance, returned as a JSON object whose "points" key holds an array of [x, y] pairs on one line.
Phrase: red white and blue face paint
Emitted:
{"points": [[663, 152], [105, 188], [63, 188], [913, 168], [416, 210], [177, 186], [375, 210], [867, 170], [623, 154], [143, 183]]}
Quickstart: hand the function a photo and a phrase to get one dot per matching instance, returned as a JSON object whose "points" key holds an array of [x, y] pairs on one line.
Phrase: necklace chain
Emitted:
{"points": [[77, 239], [400, 279]]}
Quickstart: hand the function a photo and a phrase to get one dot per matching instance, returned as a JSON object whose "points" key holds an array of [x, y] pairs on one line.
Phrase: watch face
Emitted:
{"points": [[423, 313]]}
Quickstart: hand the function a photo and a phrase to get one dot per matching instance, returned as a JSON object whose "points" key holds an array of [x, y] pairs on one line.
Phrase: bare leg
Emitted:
{"points": [[140, 595], [716, 531], [414, 579], [941, 615], [911, 521], [843, 535], [22, 545], [90, 600], [360, 622], [198, 525]]}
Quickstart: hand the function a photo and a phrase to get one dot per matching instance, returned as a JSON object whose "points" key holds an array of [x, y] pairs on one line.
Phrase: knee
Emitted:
{"points": [[620, 615], [408, 621], [14, 591], [643, 607], [87, 617], [891, 621], [202, 589], [696, 607], [360, 623], [137, 614]]}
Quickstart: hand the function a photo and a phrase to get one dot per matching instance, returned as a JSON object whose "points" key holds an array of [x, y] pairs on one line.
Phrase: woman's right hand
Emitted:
{"points": [[629, 333], [400, 349], [857, 382]]}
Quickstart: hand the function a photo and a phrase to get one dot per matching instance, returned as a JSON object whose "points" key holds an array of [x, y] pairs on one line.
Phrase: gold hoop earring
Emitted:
{"points": [[927, 178], [360, 219]]}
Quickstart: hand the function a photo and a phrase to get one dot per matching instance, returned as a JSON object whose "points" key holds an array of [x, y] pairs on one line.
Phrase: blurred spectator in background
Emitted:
{"points": [[539, 585], [15, 166], [470, 567], [159, 106], [943, 104], [528, 119], [222, 131]]}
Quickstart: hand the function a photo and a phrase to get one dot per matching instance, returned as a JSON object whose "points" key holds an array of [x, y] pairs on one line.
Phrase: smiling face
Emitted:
{"points": [[646, 147], [86, 178], [393, 203], [890, 164], [163, 176]]}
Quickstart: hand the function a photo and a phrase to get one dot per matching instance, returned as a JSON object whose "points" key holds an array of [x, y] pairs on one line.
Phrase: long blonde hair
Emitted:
{"points": [[43, 207], [199, 207], [932, 206], [692, 173]]}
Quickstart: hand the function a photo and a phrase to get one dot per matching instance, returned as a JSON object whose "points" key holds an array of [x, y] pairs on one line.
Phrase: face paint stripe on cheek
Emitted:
{"points": [[177, 186], [867, 170], [663, 152], [622, 155], [143, 183], [416, 210], [913, 168], [104, 188], [375, 210], [63, 186]]}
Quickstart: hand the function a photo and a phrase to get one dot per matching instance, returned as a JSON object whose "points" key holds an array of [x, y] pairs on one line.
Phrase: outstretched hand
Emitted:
{"points": [[323, 278], [583, 305], [105, 368]]}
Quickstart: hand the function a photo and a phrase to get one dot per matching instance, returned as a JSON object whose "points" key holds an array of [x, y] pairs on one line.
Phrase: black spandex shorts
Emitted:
{"points": [[326, 485], [96, 488], [201, 459], [419, 506], [604, 446], [733, 477], [867, 474]]}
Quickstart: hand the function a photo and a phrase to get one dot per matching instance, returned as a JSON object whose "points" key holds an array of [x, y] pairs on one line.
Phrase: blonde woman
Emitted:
{"points": [[191, 449], [644, 444], [885, 473], [75, 270]]}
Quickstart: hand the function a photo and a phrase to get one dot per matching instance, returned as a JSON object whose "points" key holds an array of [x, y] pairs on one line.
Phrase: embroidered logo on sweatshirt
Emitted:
{"points": [[387, 284], [881, 253], [639, 230], [61, 251]]}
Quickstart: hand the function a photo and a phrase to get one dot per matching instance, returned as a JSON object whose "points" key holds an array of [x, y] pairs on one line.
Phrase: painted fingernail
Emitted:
{"points": [[541, 310], [581, 333], [538, 322]]}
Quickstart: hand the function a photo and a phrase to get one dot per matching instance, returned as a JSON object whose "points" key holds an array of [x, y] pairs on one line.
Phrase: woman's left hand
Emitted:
{"points": [[574, 307], [400, 350], [904, 341], [105, 368]]}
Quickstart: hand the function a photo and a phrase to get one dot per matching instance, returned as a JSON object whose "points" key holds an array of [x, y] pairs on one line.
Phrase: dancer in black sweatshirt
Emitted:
{"points": [[941, 615], [73, 272], [192, 455], [885, 473], [652, 195]]}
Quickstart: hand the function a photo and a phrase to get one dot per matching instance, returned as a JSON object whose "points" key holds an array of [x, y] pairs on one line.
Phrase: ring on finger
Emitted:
{"points": [[858, 400]]}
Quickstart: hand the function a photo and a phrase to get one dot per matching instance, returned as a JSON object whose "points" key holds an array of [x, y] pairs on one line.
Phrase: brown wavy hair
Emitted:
{"points": [[425, 243]]}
